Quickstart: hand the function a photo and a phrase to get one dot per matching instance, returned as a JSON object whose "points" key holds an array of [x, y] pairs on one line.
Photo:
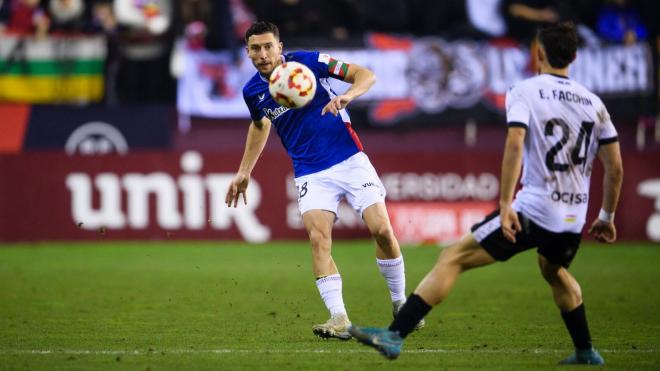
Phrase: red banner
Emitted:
{"points": [[161, 195], [436, 222]]}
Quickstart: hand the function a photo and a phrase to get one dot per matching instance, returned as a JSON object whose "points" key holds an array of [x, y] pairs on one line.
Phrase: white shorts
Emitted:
{"points": [[354, 178]]}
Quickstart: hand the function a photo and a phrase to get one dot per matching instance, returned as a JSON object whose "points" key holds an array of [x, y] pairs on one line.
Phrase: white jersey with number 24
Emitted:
{"points": [[566, 124]]}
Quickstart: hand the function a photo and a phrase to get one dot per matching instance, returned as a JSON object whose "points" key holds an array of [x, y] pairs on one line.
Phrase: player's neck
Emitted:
{"points": [[563, 72]]}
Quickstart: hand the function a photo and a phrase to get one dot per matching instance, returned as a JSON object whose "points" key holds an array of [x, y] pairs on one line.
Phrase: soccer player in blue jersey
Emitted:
{"points": [[328, 163]]}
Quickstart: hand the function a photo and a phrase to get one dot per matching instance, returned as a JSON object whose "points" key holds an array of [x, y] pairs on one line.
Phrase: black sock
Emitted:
{"points": [[409, 316], [576, 323]]}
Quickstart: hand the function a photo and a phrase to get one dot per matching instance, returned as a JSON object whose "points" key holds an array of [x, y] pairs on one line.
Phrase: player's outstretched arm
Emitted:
{"points": [[603, 228], [361, 79], [511, 163], [254, 145]]}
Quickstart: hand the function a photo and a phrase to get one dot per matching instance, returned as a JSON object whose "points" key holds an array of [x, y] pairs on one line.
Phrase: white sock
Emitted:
{"points": [[330, 290], [394, 273]]}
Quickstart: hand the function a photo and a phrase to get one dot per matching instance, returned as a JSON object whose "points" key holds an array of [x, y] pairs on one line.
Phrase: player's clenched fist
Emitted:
{"points": [[603, 231]]}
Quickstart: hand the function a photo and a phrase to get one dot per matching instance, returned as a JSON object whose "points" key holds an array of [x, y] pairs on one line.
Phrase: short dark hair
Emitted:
{"points": [[260, 28], [560, 43]]}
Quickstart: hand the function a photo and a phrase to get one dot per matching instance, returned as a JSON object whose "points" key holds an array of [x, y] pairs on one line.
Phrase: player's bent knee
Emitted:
{"points": [[549, 271], [465, 254], [383, 234], [550, 275], [452, 257], [318, 238]]}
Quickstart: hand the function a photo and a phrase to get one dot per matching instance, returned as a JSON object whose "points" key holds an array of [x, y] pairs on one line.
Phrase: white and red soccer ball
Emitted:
{"points": [[292, 84]]}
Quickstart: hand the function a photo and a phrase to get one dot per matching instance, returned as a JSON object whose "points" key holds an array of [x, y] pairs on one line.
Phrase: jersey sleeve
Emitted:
{"points": [[607, 133], [255, 114], [323, 65], [517, 109], [331, 67]]}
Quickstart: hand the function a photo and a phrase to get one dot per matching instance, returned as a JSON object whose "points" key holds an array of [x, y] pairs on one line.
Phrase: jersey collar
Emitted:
{"points": [[556, 75]]}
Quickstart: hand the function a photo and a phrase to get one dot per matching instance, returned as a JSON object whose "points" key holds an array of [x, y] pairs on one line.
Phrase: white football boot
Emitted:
{"points": [[335, 327]]}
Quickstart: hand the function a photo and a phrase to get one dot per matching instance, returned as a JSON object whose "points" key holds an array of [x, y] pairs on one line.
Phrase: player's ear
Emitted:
{"points": [[540, 53], [281, 44]]}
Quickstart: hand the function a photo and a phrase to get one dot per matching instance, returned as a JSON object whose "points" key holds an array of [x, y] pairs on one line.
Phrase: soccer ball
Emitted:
{"points": [[292, 84]]}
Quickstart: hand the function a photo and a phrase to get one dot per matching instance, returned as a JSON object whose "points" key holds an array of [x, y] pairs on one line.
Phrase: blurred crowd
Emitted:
{"points": [[606, 20], [141, 33]]}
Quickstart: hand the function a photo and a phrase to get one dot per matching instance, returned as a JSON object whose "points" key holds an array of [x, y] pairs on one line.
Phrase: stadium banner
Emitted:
{"points": [[98, 129], [52, 70], [423, 81], [13, 126], [211, 83], [432, 197], [436, 222]]}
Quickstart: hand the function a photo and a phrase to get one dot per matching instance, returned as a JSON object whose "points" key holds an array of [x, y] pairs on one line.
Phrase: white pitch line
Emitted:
{"points": [[294, 351]]}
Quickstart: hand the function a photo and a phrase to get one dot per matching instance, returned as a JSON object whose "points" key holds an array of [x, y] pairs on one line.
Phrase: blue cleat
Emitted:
{"points": [[584, 357], [387, 342]]}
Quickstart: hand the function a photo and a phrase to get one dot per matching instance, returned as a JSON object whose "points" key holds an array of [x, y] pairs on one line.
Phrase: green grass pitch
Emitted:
{"points": [[219, 306]]}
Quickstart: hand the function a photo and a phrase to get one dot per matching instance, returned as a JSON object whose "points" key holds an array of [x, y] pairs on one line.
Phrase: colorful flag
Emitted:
{"points": [[52, 70]]}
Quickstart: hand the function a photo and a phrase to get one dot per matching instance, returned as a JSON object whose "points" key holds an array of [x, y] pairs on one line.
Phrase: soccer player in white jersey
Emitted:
{"points": [[556, 128], [328, 165]]}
